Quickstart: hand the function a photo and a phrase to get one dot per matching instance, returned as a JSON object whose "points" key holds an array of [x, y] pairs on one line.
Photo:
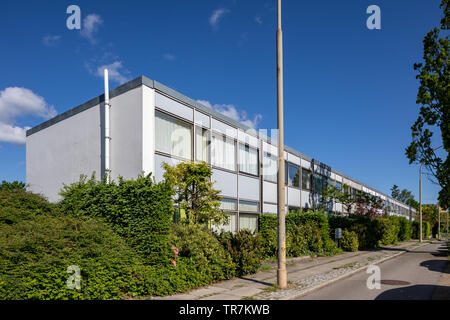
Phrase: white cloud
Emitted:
{"points": [[91, 24], [18, 102], [231, 111], [217, 16], [50, 41], [116, 72], [169, 56]]}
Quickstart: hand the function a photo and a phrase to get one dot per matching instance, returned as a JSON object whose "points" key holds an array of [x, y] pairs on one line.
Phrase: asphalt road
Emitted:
{"points": [[420, 271]]}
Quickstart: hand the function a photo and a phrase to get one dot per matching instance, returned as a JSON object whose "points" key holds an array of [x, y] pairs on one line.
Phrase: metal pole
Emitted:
{"points": [[420, 200], [439, 223], [281, 272]]}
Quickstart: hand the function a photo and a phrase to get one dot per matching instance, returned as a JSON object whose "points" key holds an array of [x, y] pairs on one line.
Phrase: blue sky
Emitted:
{"points": [[349, 91]]}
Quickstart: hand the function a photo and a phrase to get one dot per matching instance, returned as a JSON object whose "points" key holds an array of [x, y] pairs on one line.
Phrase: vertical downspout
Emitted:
{"points": [[107, 134]]}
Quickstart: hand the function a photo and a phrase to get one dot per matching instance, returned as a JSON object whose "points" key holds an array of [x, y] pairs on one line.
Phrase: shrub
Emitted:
{"points": [[205, 252], [17, 205], [387, 230], [349, 241], [306, 233], [139, 210], [405, 229], [268, 234], [243, 247], [426, 229], [35, 255]]}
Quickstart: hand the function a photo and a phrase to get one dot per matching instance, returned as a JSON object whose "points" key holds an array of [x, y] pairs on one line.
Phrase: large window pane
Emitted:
{"points": [[228, 204], [248, 206], [270, 167], [248, 160], [306, 179], [223, 152], [202, 144], [173, 136], [230, 226], [293, 175], [248, 221]]}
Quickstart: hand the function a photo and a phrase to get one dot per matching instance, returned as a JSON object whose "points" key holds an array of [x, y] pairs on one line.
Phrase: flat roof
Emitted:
{"points": [[143, 80]]}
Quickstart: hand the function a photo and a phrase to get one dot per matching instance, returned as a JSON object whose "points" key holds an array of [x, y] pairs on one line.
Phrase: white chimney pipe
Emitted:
{"points": [[107, 136]]}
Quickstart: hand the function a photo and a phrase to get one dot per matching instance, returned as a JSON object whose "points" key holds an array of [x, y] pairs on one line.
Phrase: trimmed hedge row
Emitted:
{"points": [[374, 232], [139, 210], [306, 233], [426, 229]]}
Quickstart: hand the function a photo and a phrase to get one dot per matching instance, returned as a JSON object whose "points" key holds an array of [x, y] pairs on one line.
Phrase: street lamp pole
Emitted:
{"points": [[420, 200], [281, 272]]}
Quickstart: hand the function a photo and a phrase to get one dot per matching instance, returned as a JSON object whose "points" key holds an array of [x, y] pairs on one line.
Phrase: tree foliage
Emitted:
{"points": [[195, 192], [434, 98], [404, 196]]}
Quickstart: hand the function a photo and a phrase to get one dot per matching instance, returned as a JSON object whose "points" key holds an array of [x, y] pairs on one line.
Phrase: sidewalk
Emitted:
{"points": [[304, 275]]}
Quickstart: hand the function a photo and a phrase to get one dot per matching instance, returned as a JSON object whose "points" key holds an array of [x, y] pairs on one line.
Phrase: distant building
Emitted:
{"points": [[151, 123]]}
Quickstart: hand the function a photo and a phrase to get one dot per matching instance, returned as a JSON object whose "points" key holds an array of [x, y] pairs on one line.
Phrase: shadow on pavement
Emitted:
{"points": [[417, 292], [435, 265]]}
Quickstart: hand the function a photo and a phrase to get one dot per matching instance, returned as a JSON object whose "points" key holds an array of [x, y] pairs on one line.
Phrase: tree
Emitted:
{"points": [[404, 196], [395, 191], [195, 193], [434, 114]]}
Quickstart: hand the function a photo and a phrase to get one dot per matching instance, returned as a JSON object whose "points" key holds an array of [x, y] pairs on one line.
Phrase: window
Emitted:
{"points": [[248, 221], [248, 160], [294, 210], [293, 175], [320, 182], [230, 226], [248, 206], [223, 152], [173, 136], [270, 167], [202, 144], [306, 179], [228, 204], [338, 186]]}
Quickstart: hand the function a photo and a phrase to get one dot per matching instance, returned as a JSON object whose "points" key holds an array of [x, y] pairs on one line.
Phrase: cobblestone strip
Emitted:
{"points": [[306, 285]]}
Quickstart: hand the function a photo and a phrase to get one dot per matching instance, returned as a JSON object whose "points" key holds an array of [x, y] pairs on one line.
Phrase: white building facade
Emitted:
{"points": [[151, 124]]}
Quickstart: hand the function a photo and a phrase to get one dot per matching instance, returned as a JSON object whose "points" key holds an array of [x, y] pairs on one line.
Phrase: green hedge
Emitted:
{"points": [[426, 229], [306, 233], [139, 210], [35, 255], [195, 242], [374, 232], [244, 248], [349, 241]]}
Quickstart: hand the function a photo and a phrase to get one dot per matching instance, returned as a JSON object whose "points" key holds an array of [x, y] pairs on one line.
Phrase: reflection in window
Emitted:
{"points": [[306, 179], [174, 136], [293, 175], [248, 160]]}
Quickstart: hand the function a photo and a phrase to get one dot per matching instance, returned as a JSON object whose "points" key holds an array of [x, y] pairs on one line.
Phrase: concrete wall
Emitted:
{"points": [[62, 152]]}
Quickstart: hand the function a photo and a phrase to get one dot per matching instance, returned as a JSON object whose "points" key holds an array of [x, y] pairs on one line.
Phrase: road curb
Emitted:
{"points": [[350, 273]]}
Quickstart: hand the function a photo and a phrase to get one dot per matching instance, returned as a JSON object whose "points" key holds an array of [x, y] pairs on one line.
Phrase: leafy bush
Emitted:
{"points": [[373, 232], [205, 252], [306, 233], [426, 229], [17, 205], [405, 230], [268, 234], [139, 210], [243, 247], [349, 241], [35, 255]]}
